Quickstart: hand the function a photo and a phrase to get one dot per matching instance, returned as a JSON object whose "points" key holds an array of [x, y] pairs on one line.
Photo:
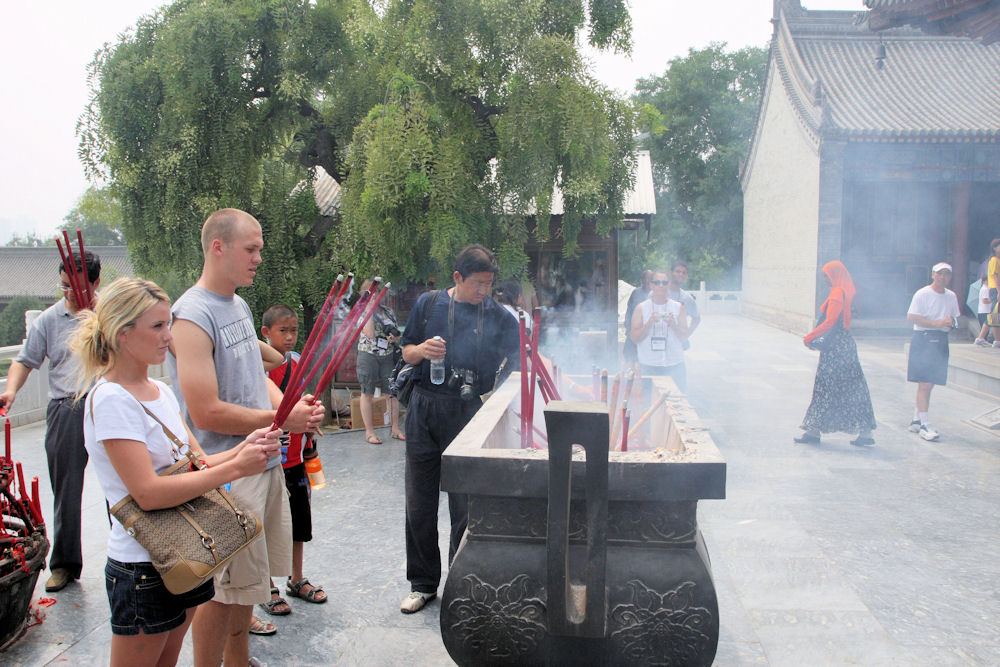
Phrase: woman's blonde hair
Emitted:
{"points": [[96, 341]]}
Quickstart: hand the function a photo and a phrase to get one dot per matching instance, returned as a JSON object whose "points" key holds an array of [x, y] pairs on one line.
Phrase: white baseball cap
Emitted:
{"points": [[941, 266]]}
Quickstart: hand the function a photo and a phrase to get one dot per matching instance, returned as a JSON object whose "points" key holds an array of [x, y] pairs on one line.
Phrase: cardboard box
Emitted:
{"points": [[380, 411]]}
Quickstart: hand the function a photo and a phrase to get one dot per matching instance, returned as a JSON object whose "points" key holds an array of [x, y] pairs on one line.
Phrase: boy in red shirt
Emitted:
{"points": [[280, 328]]}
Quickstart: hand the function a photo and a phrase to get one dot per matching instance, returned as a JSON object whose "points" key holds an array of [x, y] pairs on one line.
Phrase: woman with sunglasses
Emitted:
{"points": [[659, 329]]}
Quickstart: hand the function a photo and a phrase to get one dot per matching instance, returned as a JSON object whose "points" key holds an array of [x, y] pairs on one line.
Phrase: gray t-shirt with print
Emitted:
{"points": [[238, 367]]}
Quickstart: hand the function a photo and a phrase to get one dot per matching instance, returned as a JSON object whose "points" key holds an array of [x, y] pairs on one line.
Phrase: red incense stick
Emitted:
{"points": [[83, 263], [347, 342], [524, 380]]}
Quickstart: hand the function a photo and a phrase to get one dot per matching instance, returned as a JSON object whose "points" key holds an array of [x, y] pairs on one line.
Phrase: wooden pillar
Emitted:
{"points": [[960, 262]]}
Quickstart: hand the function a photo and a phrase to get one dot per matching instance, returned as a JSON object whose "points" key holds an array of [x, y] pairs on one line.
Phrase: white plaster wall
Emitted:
{"points": [[781, 218]]}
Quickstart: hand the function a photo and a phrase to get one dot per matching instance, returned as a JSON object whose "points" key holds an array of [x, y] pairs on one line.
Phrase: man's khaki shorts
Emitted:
{"points": [[246, 580]]}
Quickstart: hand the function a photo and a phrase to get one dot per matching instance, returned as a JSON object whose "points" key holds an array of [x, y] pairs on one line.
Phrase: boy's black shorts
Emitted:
{"points": [[297, 483]]}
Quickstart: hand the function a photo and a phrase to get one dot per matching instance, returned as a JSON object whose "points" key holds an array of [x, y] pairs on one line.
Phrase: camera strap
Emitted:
{"points": [[478, 331]]}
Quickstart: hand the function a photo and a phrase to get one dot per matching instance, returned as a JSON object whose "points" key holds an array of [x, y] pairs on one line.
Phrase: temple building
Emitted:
{"points": [[877, 148]]}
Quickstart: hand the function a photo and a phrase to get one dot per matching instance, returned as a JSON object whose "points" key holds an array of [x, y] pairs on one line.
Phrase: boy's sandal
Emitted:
{"points": [[259, 627], [271, 605], [398, 436], [294, 589]]}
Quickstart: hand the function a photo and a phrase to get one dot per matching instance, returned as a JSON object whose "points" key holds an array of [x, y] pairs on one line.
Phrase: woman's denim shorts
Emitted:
{"points": [[140, 601]]}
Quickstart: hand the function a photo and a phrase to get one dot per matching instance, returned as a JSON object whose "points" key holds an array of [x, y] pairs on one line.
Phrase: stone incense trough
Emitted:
{"points": [[584, 557]]}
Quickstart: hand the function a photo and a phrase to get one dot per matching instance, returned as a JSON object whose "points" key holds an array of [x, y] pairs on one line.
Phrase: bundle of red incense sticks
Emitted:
{"points": [[83, 295], [538, 374], [315, 355], [28, 509]]}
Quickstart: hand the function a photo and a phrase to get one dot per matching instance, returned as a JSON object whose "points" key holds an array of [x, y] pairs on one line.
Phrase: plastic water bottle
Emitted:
{"points": [[437, 368]]}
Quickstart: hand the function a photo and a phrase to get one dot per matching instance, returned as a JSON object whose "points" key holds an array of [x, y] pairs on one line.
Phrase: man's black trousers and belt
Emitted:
{"points": [[432, 422], [67, 459]]}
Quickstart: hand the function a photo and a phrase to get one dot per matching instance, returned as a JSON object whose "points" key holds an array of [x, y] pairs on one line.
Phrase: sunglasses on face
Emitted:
{"points": [[661, 283]]}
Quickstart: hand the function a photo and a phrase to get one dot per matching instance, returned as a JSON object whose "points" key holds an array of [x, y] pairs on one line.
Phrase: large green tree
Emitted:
{"points": [[446, 122], [698, 116], [98, 216]]}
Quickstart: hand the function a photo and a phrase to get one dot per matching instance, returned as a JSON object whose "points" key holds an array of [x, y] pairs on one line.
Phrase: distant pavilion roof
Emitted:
{"points": [[928, 88], [34, 271], [969, 18]]}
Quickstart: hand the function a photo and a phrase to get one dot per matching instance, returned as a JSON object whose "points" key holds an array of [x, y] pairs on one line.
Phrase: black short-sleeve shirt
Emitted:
{"points": [[499, 339]]}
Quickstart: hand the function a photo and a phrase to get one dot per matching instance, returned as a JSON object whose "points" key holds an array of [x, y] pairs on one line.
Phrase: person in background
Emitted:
{"points": [[64, 447], [215, 362], [508, 295], [473, 335], [638, 295], [659, 327], [983, 314], [993, 285], [679, 276], [933, 313], [280, 329], [125, 416], [376, 361], [840, 400]]}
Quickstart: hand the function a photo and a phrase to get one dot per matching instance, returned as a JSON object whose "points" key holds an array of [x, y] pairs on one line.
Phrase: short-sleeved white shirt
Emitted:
{"points": [[117, 415], [934, 306]]}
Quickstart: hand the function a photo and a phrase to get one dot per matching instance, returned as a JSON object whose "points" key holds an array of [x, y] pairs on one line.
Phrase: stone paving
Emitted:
{"points": [[822, 555]]}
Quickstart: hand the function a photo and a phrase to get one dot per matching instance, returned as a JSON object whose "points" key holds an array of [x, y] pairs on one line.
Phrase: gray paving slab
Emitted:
{"points": [[822, 555]]}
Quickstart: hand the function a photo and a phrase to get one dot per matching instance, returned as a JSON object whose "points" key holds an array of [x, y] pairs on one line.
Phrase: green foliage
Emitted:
{"points": [[12, 318], [30, 240], [699, 116], [443, 121], [98, 216]]}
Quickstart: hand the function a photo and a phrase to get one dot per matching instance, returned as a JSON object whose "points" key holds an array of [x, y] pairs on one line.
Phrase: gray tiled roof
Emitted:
{"points": [[930, 87], [34, 271], [969, 18]]}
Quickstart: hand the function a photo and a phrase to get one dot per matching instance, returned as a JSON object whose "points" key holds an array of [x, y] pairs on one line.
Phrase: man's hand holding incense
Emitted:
{"points": [[306, 415]]}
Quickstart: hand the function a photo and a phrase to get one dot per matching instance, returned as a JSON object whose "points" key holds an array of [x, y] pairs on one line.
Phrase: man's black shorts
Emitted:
{"points": [[928, 357]]}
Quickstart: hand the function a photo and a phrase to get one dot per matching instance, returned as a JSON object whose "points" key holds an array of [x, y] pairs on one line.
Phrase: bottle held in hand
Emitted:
{"points": [[437, 368]]}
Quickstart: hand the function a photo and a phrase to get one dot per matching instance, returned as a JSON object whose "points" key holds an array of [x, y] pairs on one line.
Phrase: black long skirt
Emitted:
{"points": [[841, 400]]}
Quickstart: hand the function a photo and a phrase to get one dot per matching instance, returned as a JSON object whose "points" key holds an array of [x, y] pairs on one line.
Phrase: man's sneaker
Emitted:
{"points": [[996, 343], [915, 426], [982, 343], [415, 601], [927, 432]]}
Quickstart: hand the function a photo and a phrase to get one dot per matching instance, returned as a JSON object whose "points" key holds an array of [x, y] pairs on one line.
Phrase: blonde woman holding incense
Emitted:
{"points": [[116, 344]]}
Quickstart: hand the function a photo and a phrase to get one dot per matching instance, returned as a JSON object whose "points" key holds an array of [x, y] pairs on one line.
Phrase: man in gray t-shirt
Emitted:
{"points": [[216, 369], [67, 457]]}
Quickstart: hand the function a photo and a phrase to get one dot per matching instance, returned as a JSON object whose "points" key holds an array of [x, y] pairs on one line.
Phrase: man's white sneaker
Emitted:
{"points": [[982, 343], [415, 601], [927, 432], [996, 343], [915, 426]]}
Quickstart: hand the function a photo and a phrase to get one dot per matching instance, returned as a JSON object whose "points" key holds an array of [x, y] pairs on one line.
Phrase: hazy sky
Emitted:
{"points": [[48, 45]]}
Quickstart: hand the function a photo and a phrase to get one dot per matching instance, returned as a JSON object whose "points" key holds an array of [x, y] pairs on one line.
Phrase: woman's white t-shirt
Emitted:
{"points": [[117, 415], [664, 353]]}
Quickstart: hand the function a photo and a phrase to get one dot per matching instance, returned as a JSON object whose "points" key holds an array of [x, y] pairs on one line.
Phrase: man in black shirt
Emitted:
{"points": [[476, 335]]}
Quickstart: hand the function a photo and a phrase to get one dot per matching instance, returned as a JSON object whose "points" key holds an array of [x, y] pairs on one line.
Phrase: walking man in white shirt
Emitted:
{"points": [[933, 312]]}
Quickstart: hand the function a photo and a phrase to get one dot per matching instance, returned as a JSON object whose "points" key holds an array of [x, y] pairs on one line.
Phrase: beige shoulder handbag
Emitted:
{"points": [[188, 543]]}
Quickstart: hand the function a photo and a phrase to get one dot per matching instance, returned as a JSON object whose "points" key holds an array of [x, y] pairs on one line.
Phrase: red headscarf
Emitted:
{"points": [[842, 289]]}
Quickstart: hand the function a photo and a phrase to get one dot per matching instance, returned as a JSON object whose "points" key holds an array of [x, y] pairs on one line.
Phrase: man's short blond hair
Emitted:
{"points": [[225, 225]]}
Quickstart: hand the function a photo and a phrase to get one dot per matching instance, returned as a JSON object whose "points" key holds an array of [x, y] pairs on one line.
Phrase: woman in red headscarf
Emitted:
{"points": [[840, 401]]}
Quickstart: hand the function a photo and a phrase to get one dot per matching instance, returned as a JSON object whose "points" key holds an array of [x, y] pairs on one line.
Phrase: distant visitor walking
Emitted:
{"points": [[841, 400], [933, 312]]}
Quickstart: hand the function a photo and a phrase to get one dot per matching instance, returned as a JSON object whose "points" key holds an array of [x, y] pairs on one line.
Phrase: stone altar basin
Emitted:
{"points": [[608, 568]]}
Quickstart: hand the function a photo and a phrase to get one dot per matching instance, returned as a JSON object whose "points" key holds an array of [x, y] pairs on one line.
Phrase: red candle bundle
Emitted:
{"points": [[79, 283], [333, 354]]}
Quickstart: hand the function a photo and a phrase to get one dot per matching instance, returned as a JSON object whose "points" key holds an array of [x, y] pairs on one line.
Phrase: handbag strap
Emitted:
{"points": [[173, 438]]}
